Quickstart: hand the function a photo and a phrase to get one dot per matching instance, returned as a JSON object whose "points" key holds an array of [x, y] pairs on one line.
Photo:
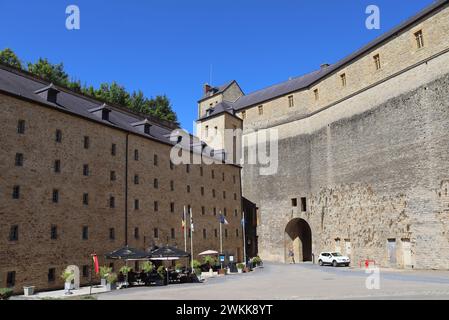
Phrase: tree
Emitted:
{"points": [[51, 72], [139, 103], [113, 93], [160, 107], [8, 57]]}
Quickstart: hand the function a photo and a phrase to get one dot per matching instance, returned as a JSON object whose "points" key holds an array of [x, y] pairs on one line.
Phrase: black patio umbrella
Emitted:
{"points": [[168, 253], [127, 253]]}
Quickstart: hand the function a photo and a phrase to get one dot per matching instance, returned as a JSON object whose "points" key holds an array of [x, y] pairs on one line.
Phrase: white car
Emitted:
{"points": [[333, 258]]}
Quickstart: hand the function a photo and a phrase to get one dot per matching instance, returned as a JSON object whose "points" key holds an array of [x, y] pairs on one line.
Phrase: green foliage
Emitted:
{"points": [[210, 261], [67, 275], [111, 277], [178, 266], [5, 293], [196, 264], [161, 271], [257, 260], [8, 57], [147, 266], [125, 270], [113, 93], [104, 271], [51, 72], [240, 266]]}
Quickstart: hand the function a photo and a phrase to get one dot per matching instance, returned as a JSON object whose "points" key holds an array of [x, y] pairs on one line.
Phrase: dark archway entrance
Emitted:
{"points": [[298, 236]]}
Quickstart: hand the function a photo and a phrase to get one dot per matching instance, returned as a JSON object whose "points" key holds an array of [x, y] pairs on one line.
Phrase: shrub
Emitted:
{"points": [[104, 271], [125, 269], [210, 261], [67, 276], [240, 266], [178, 266], [111, 277], [5, 293], [147, 266], [196, 264], [257, 260], [161, 271]]}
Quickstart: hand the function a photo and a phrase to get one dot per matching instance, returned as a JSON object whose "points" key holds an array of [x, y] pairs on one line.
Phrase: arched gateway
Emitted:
{"points": [[298, 236]]}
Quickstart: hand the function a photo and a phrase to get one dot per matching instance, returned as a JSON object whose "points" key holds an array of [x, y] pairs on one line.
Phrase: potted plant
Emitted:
{"points": [[256, 261], [210, 261], [111, 281], [240, 267], [28, 291], [5, 293], [178, 267], [104, 272], [196, 267], [125, 270], [68, 277]]}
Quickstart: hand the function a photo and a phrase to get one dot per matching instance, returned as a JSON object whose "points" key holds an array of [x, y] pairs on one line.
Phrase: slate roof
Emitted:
{"points": [[216, 90], [23, 85], [219, 108], [310, 79]]}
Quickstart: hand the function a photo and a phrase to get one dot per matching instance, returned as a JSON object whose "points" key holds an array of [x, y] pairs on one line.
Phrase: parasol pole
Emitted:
{"points": [[191, 238], [185, 230], [244, 236]]}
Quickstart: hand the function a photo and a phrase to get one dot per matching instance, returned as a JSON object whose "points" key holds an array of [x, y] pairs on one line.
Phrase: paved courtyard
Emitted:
{"points": [[300, 281]]}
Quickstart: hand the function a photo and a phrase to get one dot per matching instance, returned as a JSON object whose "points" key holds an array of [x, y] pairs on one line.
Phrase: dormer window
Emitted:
{"points": [[143, 126], [101, 112], [49, 93], [209, 111]]}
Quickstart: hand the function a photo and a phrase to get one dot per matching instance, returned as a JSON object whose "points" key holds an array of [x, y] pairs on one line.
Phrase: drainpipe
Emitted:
{"points": [[126, 191]]}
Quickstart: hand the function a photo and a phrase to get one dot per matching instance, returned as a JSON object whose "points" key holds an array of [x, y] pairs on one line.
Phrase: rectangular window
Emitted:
{"points": [[172, 233], [215, 131], [204, 233], [14, 233], [202, 191], [19, 160], [156, 183], [111, 202], [86, 170], [113, 176], [187, 168], [188, 189], [51, 276], [172, 166], [237, 233], [203, 211], [155, 160], [316, 94], [235, 196], [377, 62], [156, 206], [419, 39], [57, 166], [85, 271], [11, 279], [226, 233], [58, 136], [136, 179], [223, 176], [111, 234], [136, 233], [21, 126], [215, 211], [16, 192], [225, 212], [85, 199], [213, 174], [156, 233], [260, 108], [234, 179], [54, 232], [55, 197], [85, 233], [303, 204], [243, 115], [343, 79], [291, 102], [172, 207], [136, 155], [136, 204], [172, 185], [235, 213], [113, 149], [294, 202], [86, 142], [224, 194], [213, 193], [216, 233]]}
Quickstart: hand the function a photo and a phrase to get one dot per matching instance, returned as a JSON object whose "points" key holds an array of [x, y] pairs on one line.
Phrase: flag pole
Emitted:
{"points": [[221, 239], [185, 230], [244, 240], [191, 238]]}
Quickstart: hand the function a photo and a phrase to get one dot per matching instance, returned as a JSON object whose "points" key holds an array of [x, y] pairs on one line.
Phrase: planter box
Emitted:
{"points": [[103, 282], [28, 291], [240, 270]]}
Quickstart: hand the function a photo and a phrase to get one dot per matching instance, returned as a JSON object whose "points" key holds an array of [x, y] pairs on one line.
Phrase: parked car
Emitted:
{"points": [[333, 258]]}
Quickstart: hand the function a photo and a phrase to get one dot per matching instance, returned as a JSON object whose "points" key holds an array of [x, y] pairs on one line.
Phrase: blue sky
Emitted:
{"points": [[168, 46]]}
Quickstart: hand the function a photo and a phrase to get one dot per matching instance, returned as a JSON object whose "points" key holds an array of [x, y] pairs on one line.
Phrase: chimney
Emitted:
{"points": [[324, 65], [49, 93], [207, 88]]}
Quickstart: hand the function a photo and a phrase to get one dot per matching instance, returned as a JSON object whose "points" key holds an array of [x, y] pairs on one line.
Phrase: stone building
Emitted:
{"points": [[363, 158], [79, 177]]}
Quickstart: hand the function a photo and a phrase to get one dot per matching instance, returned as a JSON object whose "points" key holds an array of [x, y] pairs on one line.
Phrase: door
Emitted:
{"points": [[406, 253], [392, 252], [348, 247]]}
